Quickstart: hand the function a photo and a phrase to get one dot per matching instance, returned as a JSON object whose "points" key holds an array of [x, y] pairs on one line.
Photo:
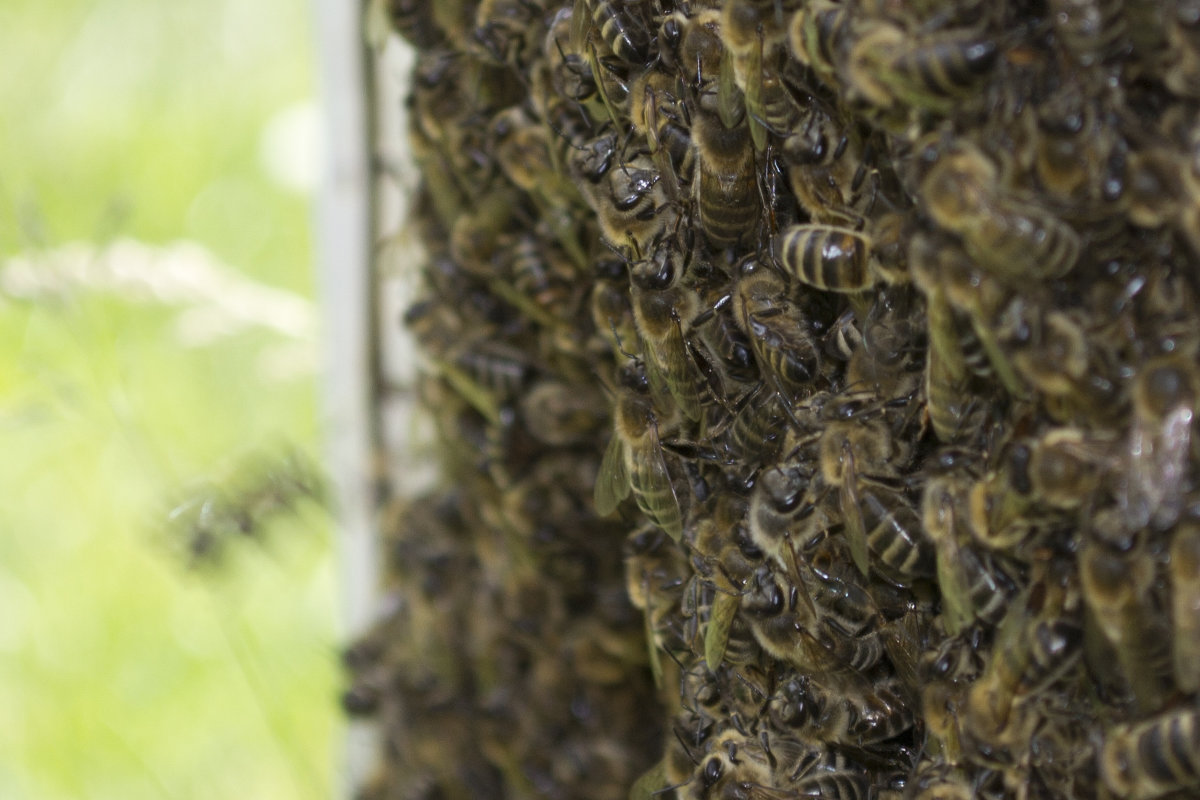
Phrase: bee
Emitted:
{"points": [[753, 32], [963, 306], [659, 113], [816, 713], [753, 26], [781, 339], [1181, 73], [781, 514], [972, 586], [540, 280], [612, 311], [879, 518], [1157, 756], [726, 193], [560, 414], [1183, 569], [570, 73], [887, 360], [820, 35], [416, 21], [758, 430], [1165, 395], [503, 31], [1117, 589], [631, 204], [658, 314], [634, 462], [825, 257], [715, 629], [1037, 643], [762, 768], [889, 67], [1090, 31], [1072, 141], [730, 347], [1066, 467], [622, 28], [1013, 239], [654, 573]]}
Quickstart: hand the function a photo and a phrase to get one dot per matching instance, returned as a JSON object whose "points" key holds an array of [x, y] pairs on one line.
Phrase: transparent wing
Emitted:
{"points": [[612, 482]]}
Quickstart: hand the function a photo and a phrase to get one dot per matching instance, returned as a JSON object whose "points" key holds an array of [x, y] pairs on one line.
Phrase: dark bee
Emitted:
{"points": [[825, 257], [889, 67], [634, 459], [1152, 758], [780, 337]]}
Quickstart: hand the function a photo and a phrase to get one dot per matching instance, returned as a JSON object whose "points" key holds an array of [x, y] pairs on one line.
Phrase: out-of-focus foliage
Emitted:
{"points": [[123, 675]]}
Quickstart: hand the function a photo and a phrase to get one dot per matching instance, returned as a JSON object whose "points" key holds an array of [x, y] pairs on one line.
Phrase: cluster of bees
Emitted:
{"points": [[816, 383]]}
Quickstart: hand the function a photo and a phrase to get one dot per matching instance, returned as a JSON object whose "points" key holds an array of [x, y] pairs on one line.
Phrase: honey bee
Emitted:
{"points": [[1181, 74], [1184, 574], [714, 627], [972, 586], [634, 458], [780, 514], [762, 768], [887, 361], [825, 257], [1157, 756], [1066, 466], [780, 337], [1077, 158], [730, 347], [759, 428], [503, 31], [654, 573], [820, 35], [570, 72], [658, 314], [658, 112], [622, 28], [1091, 31], [826, 163], [726, 191], [816, 713], [1013, 239], [963, 306], [1117, 589], [890, 67], [415, 21], [559, 414], [631, 204], [1165, 395], [1036, 644], [879, 518]]}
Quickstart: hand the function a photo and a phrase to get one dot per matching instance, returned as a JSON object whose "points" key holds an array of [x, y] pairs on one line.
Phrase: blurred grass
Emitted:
{"points": [[123, 675]]}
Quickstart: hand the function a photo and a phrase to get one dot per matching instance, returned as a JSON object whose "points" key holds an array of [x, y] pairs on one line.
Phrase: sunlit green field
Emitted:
{"points": [[133, 382]]}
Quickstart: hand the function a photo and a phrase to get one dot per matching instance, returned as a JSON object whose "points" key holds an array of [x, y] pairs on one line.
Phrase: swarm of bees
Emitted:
{"points": [[816, 386]]}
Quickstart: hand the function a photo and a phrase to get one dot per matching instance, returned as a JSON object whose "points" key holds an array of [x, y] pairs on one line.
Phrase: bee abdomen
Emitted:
{"points": [[824, 256]]}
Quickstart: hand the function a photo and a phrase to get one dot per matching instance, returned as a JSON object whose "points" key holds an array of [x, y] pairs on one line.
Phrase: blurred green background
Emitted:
{"points": [[156, 320]]}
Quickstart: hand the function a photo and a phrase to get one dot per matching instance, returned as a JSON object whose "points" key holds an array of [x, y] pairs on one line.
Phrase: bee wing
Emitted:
{"points": [[754, 87], [903, 642], [651, 784], [656, 668], [653, 490], [728, 96], [678, 373], [660, 391], [957, 609], [720, 622], [856, 532], [612, 482]]}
